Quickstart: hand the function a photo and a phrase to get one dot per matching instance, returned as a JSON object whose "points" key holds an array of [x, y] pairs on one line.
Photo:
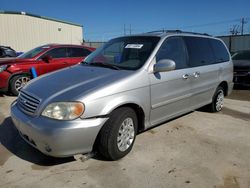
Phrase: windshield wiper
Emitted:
{"points": [[101, 64]]}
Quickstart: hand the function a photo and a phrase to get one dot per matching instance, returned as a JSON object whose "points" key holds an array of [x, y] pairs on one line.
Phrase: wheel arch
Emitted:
{"points": [[17, 74], [224, 85], [139, 113]]}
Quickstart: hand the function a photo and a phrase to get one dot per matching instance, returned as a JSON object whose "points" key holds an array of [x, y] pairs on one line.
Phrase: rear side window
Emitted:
{"points": [[57, 53], [173, 48], [220, 51], [78, 52], [199, 51]]}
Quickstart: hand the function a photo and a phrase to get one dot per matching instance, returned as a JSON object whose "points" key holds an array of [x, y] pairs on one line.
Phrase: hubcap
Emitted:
{"points": [[21, 82], [126, 134], [219, 101]]}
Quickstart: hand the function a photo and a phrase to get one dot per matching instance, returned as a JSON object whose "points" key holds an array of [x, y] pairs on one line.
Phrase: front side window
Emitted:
{"points": [[173, 48], [56, 53], [128, 53], [199, 51]]}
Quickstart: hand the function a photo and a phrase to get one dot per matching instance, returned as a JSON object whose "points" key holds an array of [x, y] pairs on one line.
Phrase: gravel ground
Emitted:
{"points": [[199, 149]]}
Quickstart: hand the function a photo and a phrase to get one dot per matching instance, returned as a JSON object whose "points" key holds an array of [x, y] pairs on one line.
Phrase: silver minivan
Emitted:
{"points": [[130, 84]]}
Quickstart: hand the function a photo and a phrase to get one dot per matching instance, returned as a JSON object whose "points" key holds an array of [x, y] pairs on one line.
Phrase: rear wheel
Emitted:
{"points": [[117, 136], [218, 100], [18, 82]]}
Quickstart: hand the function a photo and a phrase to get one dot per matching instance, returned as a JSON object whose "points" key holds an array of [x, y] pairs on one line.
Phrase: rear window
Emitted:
{"points": [[220, 51], [199, 51]]}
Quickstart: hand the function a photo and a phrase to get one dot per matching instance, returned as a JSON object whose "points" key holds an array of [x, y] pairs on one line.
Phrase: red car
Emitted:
{"points": [[16, 72]]}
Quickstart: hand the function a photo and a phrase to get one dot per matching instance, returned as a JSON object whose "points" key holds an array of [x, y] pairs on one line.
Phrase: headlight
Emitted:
{"points": [[64, 110], [3, 67]]}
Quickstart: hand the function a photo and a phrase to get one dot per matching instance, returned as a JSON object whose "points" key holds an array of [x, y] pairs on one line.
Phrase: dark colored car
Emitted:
{"points": [[6, 51], [241, 61], [16, 72]]}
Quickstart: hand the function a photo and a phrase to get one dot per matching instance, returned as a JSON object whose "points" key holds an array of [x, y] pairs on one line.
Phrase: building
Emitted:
{"points": [[237, 42], [23, 31]]}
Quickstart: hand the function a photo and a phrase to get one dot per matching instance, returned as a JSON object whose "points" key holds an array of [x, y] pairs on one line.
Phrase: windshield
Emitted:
{"points": [[245, 55], [32, 53], [123, 53]]}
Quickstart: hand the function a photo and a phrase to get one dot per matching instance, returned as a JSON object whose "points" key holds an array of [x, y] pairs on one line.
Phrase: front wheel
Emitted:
{"points": [[218, 100], [18, 82], [117, 136]]}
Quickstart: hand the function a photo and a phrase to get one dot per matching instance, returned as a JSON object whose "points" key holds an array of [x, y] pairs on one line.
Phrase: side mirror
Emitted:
{"points": [[164, 65], [47, 58]]}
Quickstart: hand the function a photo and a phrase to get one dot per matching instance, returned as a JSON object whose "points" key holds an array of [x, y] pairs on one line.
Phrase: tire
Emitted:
{"points": [[218, 99], [18, 82], [114, 141]]}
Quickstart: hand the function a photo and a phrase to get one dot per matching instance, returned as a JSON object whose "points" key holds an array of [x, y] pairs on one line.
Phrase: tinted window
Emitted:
{"points": [[57, 53], [125, 52], [78, 52], [173, 48], [199, 51], [220, 51], [241, 55]]}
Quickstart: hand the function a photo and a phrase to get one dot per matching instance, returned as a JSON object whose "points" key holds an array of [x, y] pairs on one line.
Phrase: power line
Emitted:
{"points": [[211, 23]]}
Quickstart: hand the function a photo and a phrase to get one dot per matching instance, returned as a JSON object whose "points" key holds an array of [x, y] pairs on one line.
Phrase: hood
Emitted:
{"points": [[10, 61], [73, 82], [241, 64]]}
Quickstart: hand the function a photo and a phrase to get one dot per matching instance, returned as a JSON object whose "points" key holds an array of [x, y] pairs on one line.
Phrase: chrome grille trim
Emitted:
{"points": [[28, 103]]}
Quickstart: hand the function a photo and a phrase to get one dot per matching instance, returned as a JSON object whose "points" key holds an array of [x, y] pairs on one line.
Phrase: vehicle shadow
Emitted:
{"points": [[4, 94], [12, 141], [241, 87]]}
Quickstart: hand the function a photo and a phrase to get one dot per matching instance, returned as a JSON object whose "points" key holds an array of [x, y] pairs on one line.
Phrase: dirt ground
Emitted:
{"points": [[199, 149]]}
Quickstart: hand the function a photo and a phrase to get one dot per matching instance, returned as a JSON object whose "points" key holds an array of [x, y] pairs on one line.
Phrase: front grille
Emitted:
{"points": [[27, 103]]}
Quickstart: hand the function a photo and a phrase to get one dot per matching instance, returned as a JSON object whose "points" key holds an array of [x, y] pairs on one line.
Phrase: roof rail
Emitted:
{"points": [[165, 31], [177, 31]]}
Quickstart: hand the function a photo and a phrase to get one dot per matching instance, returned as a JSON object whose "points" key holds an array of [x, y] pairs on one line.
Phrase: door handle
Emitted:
{"points": [[65, 63], [196, 74], [185, 76]]}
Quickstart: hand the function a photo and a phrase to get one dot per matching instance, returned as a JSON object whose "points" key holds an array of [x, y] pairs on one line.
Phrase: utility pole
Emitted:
{"points": [[125, 29], [243, 22]]}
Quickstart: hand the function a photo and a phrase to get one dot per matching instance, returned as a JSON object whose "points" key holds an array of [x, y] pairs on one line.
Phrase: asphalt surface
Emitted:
{"points": [[199, 149]]}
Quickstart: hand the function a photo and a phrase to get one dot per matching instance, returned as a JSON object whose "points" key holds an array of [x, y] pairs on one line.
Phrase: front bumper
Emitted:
{"points": [[57, 138], [4, 80]]}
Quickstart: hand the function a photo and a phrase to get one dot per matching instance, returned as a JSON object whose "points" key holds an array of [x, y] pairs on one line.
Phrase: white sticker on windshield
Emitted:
{"points": [[136, 46]]}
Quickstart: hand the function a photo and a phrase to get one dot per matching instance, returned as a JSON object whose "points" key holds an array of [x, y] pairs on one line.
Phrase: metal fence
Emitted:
{"points": [[94, 44], [237, 42]]}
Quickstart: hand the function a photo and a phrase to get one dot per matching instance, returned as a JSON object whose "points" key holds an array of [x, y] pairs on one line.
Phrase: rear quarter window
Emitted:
{"points": [[220, 51]]}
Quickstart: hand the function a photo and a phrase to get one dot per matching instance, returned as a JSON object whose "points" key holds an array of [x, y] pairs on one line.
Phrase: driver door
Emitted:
{"points": [[59, 59], [170, 91]]}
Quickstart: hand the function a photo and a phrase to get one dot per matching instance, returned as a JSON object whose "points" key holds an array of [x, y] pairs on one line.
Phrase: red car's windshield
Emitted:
{"points": [[34, 52]]}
